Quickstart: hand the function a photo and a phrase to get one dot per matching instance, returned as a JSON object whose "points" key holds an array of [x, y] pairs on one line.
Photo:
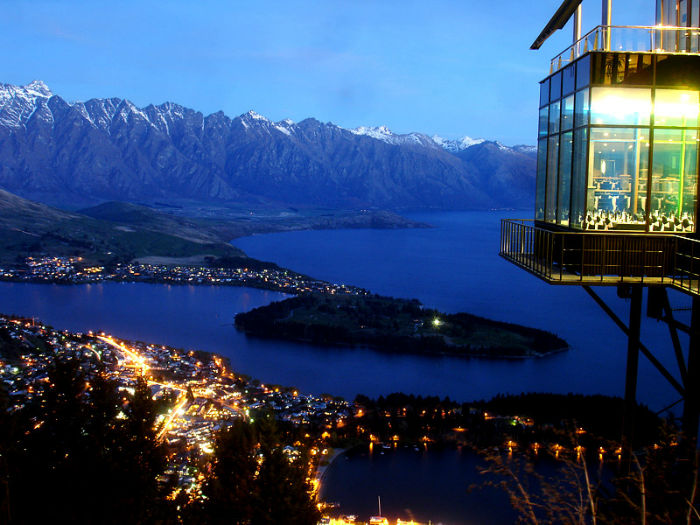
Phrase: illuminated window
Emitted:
{"points": [[674, 180], [617, 173], [616, 105], [675, 107]]}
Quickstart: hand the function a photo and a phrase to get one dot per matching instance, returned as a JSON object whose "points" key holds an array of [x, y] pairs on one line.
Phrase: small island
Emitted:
{"points": [[394, 325]]}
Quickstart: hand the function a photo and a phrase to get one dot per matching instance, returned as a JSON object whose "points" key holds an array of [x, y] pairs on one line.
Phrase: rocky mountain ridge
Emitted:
{"points": [[82, 153]]}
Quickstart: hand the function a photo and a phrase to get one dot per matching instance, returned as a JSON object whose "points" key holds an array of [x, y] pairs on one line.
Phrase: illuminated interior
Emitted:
{"points": [[618, 144]]}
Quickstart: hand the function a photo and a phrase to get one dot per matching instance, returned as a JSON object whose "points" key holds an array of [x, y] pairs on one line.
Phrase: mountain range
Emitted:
{"points": [[73, 155]]}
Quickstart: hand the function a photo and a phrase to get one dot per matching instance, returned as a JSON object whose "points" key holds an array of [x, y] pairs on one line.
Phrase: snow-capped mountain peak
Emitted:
{"points": [[255, 116], [37, 88], [384, 134], [376, 132], [18, 103], [457, 145]]}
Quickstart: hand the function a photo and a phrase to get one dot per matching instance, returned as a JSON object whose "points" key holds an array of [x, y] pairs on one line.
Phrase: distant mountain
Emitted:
{"points": [[80, 154]]}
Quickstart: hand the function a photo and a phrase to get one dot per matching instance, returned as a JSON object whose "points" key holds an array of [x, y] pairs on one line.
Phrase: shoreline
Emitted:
{"points": [[321, 470]]}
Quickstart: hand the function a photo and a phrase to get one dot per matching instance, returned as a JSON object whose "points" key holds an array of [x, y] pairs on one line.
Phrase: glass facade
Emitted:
{"points": [[618, 145], [618, 172]]}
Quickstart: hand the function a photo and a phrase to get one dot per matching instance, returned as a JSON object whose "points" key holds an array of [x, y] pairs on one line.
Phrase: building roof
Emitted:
{"points": [[558, 21]]}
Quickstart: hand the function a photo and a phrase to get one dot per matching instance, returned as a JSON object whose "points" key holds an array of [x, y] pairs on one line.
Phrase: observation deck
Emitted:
{"points": [[617, 192], [602, 258], [631, 39]]}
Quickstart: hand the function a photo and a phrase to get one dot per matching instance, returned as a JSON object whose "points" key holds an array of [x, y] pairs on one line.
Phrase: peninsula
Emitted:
{"points": [[394, 325]]}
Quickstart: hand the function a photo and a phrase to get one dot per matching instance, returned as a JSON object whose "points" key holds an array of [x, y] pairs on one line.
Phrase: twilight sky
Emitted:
{"points": [[441, 66]]}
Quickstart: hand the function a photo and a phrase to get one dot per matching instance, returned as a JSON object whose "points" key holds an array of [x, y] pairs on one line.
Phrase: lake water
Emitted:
{"points": [[453, 266], [444, 476]]}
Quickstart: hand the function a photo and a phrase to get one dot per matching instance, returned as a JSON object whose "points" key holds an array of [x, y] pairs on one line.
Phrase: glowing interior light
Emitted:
{"points": [[620, 105], [674, 104]]}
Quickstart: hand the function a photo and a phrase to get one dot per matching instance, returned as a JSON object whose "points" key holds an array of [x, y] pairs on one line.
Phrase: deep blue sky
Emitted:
{"points": [[441, 66]]}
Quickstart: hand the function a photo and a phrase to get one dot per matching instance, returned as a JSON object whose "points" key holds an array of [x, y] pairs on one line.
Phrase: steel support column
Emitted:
{"points": [[691, 407], [635, 324]]}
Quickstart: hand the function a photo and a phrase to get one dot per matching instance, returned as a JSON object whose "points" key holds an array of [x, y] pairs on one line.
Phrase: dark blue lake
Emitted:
{"points": [[356, 479], [453, 266]]}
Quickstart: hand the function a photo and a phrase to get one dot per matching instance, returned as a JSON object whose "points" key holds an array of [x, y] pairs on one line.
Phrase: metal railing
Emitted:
{"points": [[643, 39], [602, 258]]}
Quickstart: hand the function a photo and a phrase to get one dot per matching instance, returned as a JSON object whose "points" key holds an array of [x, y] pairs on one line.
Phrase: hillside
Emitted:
{"points": [[32, 229]]}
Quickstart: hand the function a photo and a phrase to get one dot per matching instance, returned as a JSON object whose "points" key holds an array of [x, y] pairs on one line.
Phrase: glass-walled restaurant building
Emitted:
{"points": [[618, 133]]}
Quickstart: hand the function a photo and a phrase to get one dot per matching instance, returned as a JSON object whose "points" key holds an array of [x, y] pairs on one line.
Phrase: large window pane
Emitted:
{"points": [[568, 83], [567, 113], [544, 122], [564, 192], [554, 117], [582, 108], [583, 72], [541, 179], [617, 173], [676, 107], [544, 92], [618, 105], [674, 180], [555, 87], [578, 179], [552, 168]]}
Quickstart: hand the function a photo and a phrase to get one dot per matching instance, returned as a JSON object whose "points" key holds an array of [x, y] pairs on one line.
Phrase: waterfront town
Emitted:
{"points": [[74, 270], [201, 393], [200, 396]]}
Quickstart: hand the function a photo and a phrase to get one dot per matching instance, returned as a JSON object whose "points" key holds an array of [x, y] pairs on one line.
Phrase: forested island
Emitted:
{"points": [[394, 325]]}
